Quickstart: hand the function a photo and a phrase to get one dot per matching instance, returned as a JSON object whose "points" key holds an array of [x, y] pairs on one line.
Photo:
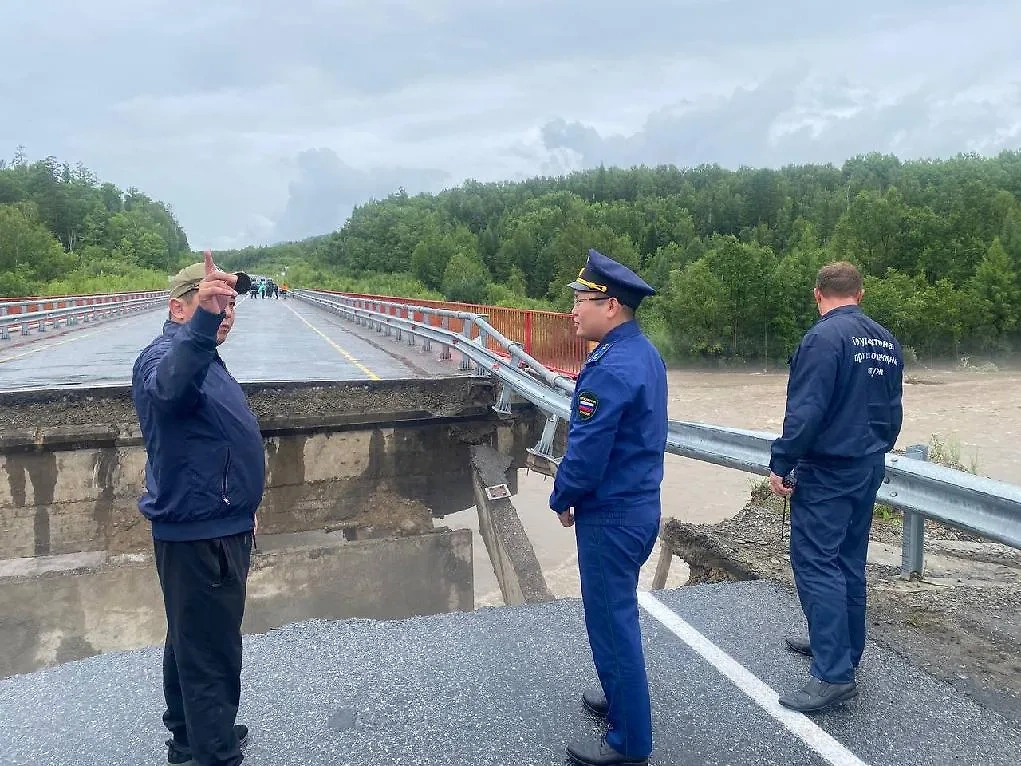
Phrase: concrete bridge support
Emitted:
{"points": [[356, 474]]}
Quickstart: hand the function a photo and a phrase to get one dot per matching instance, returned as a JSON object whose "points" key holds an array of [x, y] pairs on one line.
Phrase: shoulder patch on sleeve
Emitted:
{"points": [[588, 403]]}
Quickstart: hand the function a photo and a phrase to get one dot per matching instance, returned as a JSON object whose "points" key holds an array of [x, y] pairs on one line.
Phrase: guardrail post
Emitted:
{"points": [[483, 342], [445, 354], [540, 457], [913, 542], [503, 405], [466, 362]]}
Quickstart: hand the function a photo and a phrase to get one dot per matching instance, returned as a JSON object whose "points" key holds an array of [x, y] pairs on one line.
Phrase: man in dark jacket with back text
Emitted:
{"points": [[204, 480], [844, 414]]}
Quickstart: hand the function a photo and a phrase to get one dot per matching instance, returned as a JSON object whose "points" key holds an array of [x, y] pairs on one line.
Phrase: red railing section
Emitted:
{"points": [[549, 336], [11, 306]]}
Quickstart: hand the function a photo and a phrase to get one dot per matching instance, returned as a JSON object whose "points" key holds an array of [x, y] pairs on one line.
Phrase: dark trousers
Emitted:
{"points": [[609, 559], [203, 584], [831, 513]]}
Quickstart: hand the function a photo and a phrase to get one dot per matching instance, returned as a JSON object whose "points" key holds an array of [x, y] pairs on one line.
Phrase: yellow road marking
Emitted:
{"points": [[342, 352], [48, 346]]}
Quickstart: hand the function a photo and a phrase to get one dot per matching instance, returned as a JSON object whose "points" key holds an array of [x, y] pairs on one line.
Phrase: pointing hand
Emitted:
{"points": [[217, 289]]}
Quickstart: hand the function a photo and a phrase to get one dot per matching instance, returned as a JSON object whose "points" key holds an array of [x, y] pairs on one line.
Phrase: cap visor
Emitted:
{"points": [[580, 286]]}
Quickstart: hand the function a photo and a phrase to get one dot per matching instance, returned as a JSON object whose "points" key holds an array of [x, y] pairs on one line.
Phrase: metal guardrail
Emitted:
{"points": [[27, 305], [26, 321], [982, 506], [548, 336]]}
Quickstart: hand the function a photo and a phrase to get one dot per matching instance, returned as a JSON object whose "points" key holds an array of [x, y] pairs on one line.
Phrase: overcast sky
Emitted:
{"points": [[262, 120]]}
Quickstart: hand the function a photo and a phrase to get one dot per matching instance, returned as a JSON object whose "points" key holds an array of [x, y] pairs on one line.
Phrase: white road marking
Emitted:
{"points": [[798, 724]]}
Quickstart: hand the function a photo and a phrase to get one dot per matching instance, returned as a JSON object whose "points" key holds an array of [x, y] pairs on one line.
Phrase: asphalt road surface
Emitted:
{"points": [[272, 340], [502, 686]]}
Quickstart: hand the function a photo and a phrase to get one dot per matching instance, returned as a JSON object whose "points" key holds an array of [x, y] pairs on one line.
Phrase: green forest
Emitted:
{"points": [[732, 253], [62, 231]]}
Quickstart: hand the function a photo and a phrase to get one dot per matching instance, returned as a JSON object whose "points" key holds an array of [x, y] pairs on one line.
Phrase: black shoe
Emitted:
{"points": [[595, 702], [181, 756], [590, 753], [817, 695], [801, 646], [798, 645]]}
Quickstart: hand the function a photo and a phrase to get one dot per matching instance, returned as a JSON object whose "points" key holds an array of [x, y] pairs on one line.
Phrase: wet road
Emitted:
{"points": [[502, 686], [272, 340]]}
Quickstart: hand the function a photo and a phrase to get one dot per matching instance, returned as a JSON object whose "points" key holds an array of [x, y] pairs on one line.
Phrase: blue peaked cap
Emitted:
{"points": [[604, 275]]}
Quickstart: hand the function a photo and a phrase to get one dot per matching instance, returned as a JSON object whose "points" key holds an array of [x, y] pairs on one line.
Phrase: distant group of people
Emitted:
{"points": [[265, 288], [205, 475]]}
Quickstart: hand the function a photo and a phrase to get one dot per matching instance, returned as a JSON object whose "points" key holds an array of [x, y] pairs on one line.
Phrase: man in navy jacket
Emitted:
{"points": [[204, 480], [843, 415], [608, 487]]}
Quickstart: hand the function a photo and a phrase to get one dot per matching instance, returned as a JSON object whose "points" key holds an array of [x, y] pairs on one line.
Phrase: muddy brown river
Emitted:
{"points": [[977, 413]]}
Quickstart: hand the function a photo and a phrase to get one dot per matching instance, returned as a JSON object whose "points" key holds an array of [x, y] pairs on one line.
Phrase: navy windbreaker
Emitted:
{"points": [[844, 393], [206, 462]]}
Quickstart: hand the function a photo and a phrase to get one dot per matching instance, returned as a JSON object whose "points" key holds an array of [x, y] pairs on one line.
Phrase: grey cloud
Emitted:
{"points": [[371, 47], [730, 131], [897, 91], [207, 104], [737, 131], [326, 190]]}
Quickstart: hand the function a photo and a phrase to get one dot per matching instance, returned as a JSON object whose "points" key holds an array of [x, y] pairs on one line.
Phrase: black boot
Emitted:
{"points": [[595, 702], [798, 645], [181, 756], [817, 695], [591, 753]]}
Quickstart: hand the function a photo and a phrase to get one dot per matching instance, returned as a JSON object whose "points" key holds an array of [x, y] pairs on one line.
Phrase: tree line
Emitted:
{"points": [[63, 231], [733, 253]]}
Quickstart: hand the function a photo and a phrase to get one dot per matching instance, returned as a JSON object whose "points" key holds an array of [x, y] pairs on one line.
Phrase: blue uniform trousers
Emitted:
{"points": [[831, 512], [609, 559]]}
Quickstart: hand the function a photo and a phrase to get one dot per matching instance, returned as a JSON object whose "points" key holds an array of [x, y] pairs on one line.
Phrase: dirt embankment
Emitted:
{"points": [[961, 622]]}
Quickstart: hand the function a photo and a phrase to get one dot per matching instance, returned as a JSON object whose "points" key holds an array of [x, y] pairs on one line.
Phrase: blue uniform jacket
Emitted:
{"points": [[844, 393], [613, 467], [206, 461]]}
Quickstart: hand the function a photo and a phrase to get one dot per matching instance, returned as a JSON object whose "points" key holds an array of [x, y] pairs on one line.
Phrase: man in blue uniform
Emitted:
{"points": [[843, 415], [608, 487]]}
